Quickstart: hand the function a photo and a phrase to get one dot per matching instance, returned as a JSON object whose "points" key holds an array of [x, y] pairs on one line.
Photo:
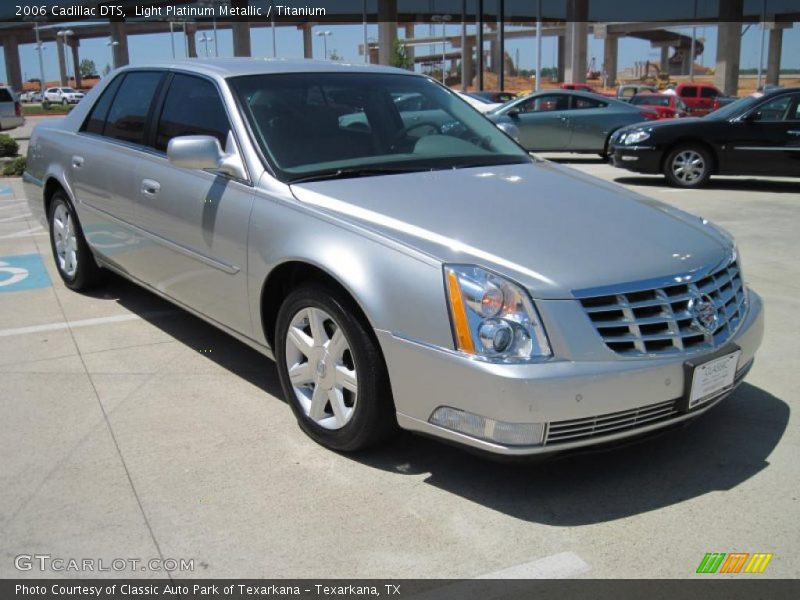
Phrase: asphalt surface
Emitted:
{"points": [[133, 430]]}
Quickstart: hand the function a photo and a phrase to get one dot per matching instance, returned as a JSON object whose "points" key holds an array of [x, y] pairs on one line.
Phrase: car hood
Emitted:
{"points": [[658, 125], [549, 227]]}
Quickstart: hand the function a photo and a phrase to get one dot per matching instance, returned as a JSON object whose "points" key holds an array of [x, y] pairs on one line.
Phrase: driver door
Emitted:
{"points": [[543, 122]]}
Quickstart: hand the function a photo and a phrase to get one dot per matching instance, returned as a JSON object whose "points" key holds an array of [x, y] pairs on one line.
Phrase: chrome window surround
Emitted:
{"points": [[655, 320]]}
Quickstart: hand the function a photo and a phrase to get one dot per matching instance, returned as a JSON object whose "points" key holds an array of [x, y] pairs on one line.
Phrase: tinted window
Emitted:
{"points": [[97, 118], [709, 92], [544, 103], [192, 107], [689, 91], [650, 100], [773, 111], [580, 102], [128, 113], [5, 95]]}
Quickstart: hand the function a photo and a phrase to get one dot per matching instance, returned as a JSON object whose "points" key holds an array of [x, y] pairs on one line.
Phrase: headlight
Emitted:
{"points": [[636, 137], [493, 318]]}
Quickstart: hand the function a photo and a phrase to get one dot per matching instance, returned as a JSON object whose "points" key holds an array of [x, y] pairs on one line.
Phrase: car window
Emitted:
{"points": [[96, 120], [708, 92], [627, 92], [128, 113], [544, 103], [581, 102], [5, 95], [794, 115], [688, 91], [650, 100], [192, 107], [775, 110]]}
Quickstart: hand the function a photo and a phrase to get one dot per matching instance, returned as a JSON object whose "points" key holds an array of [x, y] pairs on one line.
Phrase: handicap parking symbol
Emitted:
{"points": [[22, 272]]}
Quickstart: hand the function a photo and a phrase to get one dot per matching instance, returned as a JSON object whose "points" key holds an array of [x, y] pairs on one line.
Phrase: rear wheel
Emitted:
{"points": [[688, 166], [332, 371], [74, 259]]}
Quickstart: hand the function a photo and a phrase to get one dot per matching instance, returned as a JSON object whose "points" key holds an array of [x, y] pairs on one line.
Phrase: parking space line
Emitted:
{"points": [[555, 566], [24, 233], [85, 322], [14, 217]]}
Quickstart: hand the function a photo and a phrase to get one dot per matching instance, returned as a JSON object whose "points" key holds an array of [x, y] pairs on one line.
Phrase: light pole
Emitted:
{"points": [[324, 35], [39, 50], [205, 39], [443, 19], [111, 43], [65, 33]]}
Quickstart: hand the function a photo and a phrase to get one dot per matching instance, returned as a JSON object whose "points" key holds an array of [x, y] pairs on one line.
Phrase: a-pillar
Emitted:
{"points": [[610, 59], [308, 40], [774, 51], [62, 63], [387, 30], [190, 31], [119, 52], [13, 68], [729, 46], [76, 60]]}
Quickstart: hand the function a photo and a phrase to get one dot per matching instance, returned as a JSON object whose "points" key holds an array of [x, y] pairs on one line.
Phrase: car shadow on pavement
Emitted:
{"points": [[205, 339], [716, 452], [717, 183]]}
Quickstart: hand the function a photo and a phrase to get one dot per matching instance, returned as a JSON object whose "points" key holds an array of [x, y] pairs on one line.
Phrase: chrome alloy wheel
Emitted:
{"points": [[65, 240], [321, 368], [688, 166]]}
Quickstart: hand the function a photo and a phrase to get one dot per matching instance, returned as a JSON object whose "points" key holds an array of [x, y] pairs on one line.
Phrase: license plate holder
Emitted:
{"points": [[707, 377]]}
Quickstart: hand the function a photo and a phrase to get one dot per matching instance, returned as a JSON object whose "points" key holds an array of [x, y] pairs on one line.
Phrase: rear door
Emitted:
{"points": [[543, 122], [196, 220], [102, 162]]}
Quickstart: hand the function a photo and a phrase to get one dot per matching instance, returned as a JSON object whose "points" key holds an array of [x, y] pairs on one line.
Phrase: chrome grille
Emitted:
{"points": [[588, 427], [659, 320]]}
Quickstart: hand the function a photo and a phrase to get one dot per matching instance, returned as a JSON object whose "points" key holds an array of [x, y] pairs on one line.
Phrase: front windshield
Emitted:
{"points": [[310, 124], [734, 109], [68, 90]]}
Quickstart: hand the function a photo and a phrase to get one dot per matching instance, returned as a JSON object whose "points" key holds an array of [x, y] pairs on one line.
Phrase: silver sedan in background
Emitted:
{"points": [[417, 272], [569, 121]]}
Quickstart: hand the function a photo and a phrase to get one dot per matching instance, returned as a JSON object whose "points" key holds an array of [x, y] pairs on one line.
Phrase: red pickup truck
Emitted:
{"points": [[700, 98]]}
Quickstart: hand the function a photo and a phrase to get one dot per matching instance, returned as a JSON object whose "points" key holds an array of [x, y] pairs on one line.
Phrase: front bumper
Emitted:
{"points": [[563, 393], [642, 159]]}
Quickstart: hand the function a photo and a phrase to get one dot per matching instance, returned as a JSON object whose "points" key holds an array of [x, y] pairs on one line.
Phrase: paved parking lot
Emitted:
{"points": [[131, 429]]}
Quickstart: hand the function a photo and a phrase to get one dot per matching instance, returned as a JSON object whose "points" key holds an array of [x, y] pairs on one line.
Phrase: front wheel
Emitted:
{"points": [[332, 371], [74, 259], [688, 166]]}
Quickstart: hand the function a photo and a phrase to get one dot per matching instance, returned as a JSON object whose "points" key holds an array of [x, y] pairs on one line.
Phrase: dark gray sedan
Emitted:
{"points": [[569, 121]]}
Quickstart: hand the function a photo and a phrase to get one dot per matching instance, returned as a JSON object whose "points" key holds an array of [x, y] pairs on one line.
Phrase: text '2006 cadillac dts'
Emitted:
{"points": [[403, 260]]}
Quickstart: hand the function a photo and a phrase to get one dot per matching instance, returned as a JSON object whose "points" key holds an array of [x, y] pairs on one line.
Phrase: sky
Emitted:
{"points": [[346, 38]]}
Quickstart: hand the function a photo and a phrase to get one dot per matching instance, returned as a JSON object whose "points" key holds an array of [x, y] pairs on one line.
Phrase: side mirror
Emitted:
{"points": [[204, 152], [509, 129], [513, 113]]}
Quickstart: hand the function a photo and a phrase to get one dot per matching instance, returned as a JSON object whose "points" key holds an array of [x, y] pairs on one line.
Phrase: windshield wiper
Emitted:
{"points": [[351, 172]]}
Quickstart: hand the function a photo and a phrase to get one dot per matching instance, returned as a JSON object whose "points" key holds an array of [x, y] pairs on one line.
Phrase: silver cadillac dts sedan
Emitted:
{"points": [[402, 260]]}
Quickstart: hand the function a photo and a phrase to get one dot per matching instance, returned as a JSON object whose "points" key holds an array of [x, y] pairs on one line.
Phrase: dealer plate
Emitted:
{"points": [[713, 377]]}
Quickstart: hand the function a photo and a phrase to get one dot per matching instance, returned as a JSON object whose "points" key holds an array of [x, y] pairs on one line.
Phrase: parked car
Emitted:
{"points": [[701, 98], [493, 96], [581, 87], [446, 282], [668, 106], [62, 95], [569, 121], [10, 109], [30, 96], [479, 105], [629, 90], [752, 136]]}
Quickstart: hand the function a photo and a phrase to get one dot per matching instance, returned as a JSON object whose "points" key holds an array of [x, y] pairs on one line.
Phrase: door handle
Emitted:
{"points": [[150, 187], [77, 162]]}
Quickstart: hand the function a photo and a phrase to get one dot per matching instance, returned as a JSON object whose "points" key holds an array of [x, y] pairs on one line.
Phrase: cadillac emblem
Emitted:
{"points": [[704, 313]]}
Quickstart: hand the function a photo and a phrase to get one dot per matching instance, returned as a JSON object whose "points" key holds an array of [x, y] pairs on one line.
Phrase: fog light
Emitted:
{"points": [[484, 428]]}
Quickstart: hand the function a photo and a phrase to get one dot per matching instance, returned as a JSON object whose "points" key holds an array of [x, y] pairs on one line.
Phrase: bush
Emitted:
{"points": [[8, 145], [15, 168]]}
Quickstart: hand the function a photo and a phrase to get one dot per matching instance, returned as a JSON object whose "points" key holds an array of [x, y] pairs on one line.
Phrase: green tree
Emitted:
{"points": [[399, 57], [87, 68]]}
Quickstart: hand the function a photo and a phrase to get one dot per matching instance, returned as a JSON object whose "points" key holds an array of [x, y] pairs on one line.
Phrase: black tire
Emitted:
{"points": [[699, 173], [373, 417], [87, 273], [64, 101]]}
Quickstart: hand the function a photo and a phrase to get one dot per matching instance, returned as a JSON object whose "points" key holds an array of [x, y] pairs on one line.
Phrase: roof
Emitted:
{"points": [[230, 67]]}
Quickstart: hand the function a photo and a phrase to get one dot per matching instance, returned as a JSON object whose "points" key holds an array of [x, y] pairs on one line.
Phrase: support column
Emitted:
{"points": [[575, 51], [119, 52], [308, 40], [13, 68], [610, 59], [241, 37], [774, 50], [467, 66], [76, 61], [191, 40], [561, 59], [409, 35], [729, 46], [62, 63], [664, 63], [387, 30]]}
